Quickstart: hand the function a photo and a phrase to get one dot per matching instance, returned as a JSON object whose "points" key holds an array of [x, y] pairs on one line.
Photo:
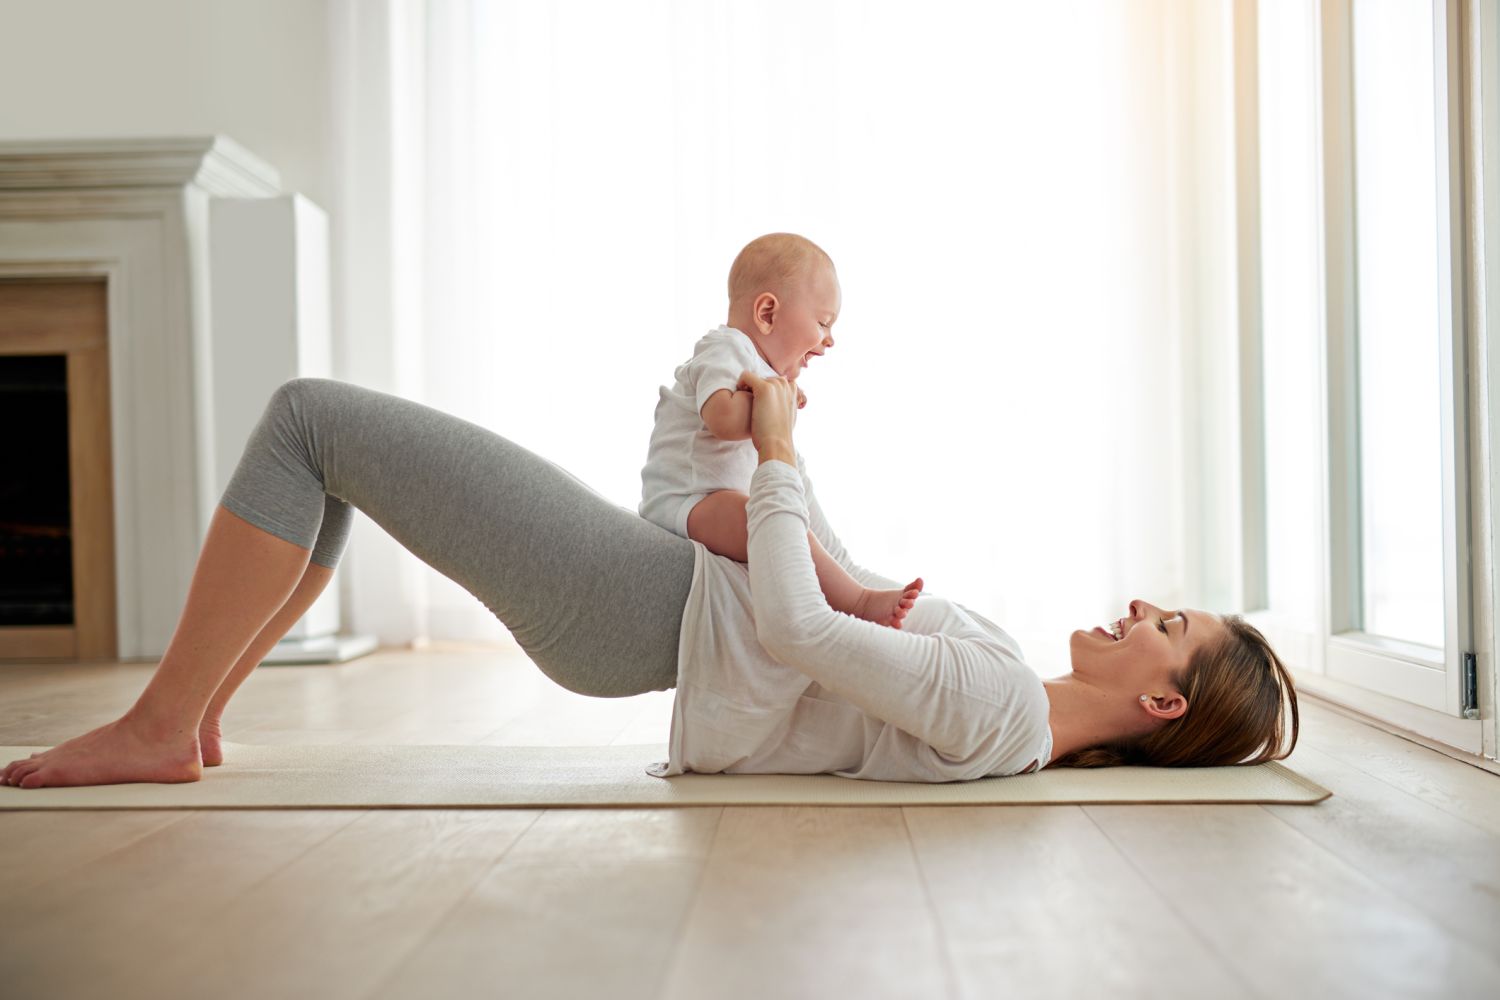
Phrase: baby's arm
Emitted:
{"points": [[727, 414]]}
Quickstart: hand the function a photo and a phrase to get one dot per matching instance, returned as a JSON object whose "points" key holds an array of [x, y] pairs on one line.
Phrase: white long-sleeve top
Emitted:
{"points": [[770, 679]]}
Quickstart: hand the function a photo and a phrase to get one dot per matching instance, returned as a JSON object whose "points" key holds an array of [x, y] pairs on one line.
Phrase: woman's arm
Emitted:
{"points": [[948, 691]]}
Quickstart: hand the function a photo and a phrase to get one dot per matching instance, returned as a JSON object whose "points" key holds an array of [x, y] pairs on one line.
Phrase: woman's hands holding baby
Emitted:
{"points": [[772, 415]]}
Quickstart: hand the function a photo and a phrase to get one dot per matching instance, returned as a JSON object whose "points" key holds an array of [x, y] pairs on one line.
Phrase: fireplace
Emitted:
{"points": [[153, 295], [36, 529], [57, 566]]}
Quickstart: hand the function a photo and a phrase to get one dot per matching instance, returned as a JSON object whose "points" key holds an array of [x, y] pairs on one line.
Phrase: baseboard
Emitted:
{"points": [[1483, 763]]}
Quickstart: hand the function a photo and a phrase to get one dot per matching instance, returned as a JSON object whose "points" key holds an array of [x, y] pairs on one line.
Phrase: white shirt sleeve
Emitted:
{"points": [[718, 366], [948, 690], [823, 532]]}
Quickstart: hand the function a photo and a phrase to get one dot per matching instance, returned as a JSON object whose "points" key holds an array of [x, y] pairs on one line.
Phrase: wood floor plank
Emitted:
{"points": [[1470, 793], [610, 837], [40, 846], [103, 921], [338, 920], [416, 697], [1034, 901], [464, 709], [78, 698], [1450, 869], [359, 696], [1390, 888], [559, 717], [809, 902], [1293, 918], [587, 903]]}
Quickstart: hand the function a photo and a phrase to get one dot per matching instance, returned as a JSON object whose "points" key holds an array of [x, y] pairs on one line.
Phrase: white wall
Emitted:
{"points": [[257, 72]]}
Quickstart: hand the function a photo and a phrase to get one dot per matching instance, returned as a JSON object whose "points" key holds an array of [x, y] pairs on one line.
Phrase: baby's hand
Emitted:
{"points": [[801, 398]]}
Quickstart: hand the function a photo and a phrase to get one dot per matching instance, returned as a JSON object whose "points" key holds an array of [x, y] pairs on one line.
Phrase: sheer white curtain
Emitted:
{"points": [[1002, 413]]}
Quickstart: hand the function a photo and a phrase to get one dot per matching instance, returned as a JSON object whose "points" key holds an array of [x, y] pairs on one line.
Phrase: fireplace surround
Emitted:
{"points": [[135, 219]]}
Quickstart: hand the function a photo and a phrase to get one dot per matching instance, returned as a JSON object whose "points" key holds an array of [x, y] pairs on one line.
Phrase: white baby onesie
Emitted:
{"points": [[685, 461]]}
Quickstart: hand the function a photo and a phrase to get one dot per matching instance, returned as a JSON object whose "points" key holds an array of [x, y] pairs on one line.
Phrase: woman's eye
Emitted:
{"points": [[1162, 625]]}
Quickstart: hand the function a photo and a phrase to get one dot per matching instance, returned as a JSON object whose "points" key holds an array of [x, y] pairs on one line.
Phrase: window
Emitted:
{"points": [[1358, 394], [1396, 234]]}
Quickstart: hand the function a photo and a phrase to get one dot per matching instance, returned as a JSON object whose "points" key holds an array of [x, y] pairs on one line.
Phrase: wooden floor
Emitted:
{"points": [[1390, 888]]}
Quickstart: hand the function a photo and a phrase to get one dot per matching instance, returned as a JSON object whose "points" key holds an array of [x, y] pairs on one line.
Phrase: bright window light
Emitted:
{"points": [[1291, 307], [1002, 411], [1396, 247]]}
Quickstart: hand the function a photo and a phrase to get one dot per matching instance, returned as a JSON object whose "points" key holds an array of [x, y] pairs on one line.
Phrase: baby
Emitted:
{"points": [[783, 300]]}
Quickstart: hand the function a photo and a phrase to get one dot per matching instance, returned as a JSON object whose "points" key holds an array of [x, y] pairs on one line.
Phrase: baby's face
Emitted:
{"points": [[804, 324]]}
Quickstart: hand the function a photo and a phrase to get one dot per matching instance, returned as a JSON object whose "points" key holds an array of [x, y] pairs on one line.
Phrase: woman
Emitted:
{"points": [[768, 677]]}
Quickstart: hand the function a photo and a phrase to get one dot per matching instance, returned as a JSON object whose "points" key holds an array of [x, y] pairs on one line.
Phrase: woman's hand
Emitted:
{"points": [[772, 416]]}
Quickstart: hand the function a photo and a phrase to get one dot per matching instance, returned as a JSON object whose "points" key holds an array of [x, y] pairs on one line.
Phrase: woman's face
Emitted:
{"points": [[1153, 645]]}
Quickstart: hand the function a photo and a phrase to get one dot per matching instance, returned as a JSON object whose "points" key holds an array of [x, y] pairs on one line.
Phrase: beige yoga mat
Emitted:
{"points": [[524, 777], [372, 777]]}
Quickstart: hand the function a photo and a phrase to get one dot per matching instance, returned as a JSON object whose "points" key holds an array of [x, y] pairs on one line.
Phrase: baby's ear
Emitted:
{"points": [[765, 310]]}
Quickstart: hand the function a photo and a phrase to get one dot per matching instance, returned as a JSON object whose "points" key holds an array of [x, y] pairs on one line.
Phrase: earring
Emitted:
{"points": [[1144, 698]]}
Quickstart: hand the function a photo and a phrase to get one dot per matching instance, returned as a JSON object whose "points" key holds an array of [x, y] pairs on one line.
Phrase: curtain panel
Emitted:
{"points": [[1021, 200]]}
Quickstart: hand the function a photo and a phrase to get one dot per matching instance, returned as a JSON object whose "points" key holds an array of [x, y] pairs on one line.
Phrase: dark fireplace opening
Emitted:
{"points": [[36, 544]]}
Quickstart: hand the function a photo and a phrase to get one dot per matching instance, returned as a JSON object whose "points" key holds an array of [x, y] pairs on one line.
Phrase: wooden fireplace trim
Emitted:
{"points": [[69, 316]]}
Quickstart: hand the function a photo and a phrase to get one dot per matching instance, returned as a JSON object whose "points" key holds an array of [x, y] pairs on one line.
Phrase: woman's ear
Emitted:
{"points": [[764, 311], [1165, 706]]}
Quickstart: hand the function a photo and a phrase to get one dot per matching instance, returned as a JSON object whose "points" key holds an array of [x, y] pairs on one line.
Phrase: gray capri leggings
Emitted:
{"points": [[593, 592]]}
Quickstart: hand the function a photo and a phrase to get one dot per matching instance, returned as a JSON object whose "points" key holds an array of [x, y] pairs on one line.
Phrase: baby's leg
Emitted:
{"points": [[719, 522], [846, 594]]}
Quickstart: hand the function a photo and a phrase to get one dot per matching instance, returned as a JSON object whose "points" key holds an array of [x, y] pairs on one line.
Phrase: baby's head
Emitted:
{"points": [[784, 295]]}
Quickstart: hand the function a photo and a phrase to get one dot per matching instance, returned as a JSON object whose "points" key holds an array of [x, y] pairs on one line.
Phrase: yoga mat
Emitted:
{"points": [[345, 776]]}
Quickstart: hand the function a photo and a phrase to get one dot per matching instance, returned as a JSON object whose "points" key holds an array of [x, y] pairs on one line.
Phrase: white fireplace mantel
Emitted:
{"points": [[136, 212], [217, 165]]}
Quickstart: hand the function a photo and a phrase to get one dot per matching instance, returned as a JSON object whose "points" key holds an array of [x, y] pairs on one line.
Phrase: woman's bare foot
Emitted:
{"points": [[210, 740], [114, 754], [887, 607]]}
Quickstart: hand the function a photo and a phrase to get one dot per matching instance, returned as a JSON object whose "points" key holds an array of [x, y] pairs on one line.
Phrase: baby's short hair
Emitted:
{"points": [[769, 262]]}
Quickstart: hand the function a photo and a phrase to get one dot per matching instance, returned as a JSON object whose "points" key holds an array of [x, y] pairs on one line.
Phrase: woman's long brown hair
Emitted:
{"points": [[1238, 692]]}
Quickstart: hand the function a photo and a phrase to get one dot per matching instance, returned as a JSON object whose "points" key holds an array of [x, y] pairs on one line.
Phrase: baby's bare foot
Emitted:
{"points": [[888, 607], [210, 742], [117, 753]]}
